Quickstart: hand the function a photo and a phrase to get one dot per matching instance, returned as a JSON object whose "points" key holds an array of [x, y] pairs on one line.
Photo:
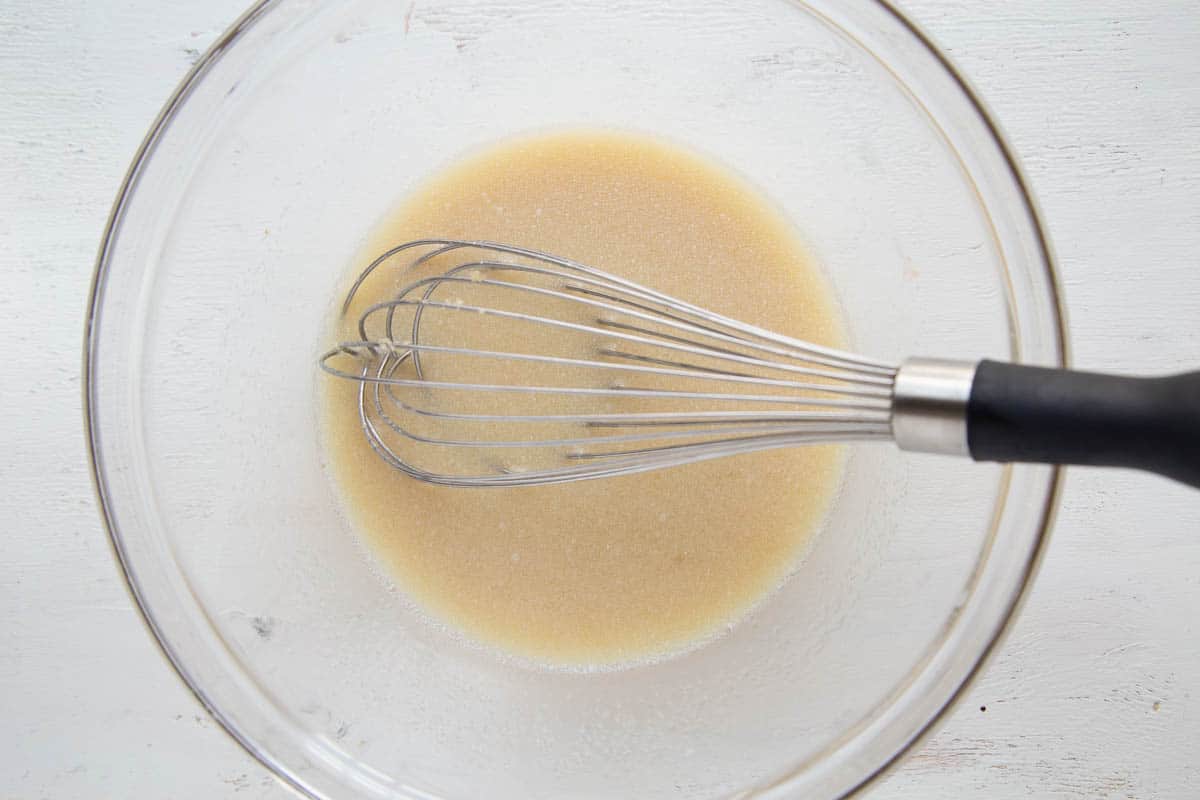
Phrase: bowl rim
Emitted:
{"points": [[143, 153]]}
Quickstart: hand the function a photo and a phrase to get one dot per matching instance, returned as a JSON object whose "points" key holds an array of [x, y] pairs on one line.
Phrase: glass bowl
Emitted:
{"points": [[265, 173]]}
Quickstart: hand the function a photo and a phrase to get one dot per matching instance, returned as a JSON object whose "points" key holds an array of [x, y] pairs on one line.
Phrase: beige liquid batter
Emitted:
{"points": [[613, 570]]}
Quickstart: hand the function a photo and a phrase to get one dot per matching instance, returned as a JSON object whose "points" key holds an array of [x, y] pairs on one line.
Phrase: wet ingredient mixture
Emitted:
{"points": [[618, 570]]}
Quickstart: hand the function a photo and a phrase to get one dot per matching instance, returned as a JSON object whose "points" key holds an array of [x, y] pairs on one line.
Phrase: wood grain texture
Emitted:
{"points": [[1094, 693]]}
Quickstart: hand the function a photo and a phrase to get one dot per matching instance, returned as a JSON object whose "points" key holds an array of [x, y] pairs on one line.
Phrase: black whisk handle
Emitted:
{"points": [[1058, 416]]}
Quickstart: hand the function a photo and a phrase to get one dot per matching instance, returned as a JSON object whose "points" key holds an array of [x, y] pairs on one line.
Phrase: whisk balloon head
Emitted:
{"points": [[495, 365]]}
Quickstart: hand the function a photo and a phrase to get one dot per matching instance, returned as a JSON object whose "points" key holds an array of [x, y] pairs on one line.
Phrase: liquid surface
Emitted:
{"points": [[616, 570]]}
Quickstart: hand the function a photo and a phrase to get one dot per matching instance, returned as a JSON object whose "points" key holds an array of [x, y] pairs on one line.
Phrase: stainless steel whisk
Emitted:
{"points": [[513, 367]]}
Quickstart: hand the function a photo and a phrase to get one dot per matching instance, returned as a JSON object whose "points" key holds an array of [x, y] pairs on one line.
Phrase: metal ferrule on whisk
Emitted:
{"points": [[929, 405]]}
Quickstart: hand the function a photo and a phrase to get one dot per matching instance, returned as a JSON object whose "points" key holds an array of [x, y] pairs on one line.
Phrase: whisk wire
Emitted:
{"points": [[750, 389]]}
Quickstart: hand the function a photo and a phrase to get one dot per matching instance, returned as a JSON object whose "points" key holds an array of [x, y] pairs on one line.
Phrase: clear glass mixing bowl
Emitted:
{"points": [[265, 173]]}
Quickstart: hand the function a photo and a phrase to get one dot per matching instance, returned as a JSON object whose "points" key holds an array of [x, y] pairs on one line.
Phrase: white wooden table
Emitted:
{"points": [[1097, 690]]}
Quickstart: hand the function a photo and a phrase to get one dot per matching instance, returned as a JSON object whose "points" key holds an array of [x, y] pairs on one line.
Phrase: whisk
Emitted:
{"points": [[506, 366]]}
